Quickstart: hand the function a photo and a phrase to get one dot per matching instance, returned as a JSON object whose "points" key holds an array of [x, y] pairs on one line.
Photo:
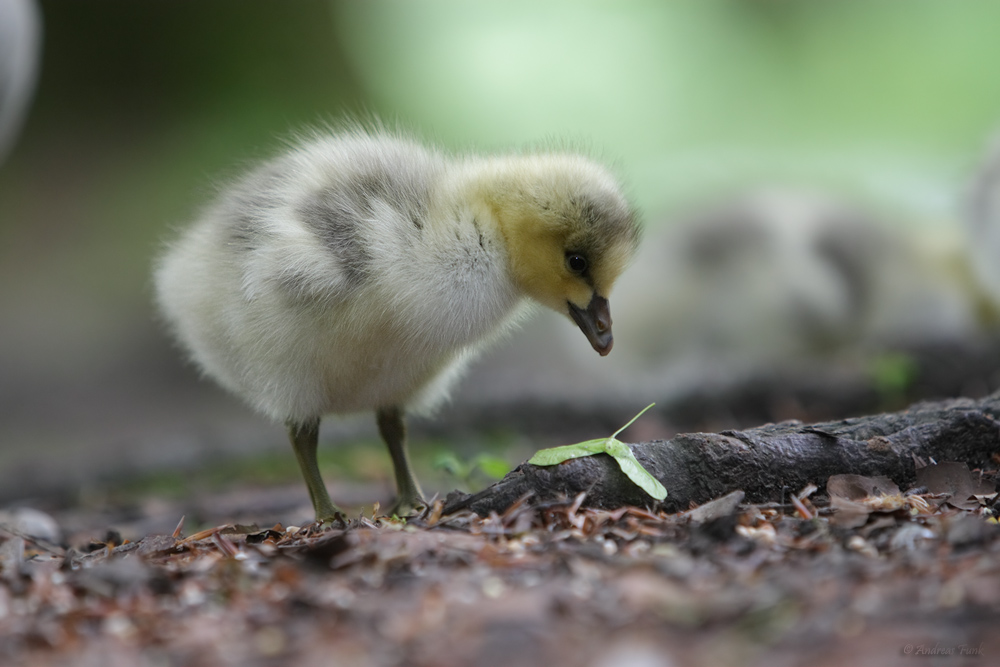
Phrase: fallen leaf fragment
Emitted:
{"points": [[858, 487], [956, 480], [180, 527], [715, 509], [854, 497]]}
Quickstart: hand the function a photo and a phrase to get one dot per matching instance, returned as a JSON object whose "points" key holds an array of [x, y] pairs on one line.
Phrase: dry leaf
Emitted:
{"points": [[955, 479], [858, 487], [716, 509]]}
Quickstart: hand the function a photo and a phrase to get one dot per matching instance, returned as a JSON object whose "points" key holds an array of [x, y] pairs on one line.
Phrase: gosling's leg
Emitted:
{"points": [[305, 439], [393, 430]]}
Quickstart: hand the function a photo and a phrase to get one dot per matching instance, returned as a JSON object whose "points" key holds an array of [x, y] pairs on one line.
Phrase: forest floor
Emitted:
{"points": [[910, 580]]}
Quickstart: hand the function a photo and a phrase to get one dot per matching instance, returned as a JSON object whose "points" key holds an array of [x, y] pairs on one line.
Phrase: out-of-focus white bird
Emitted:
{"points": [[780, 275], [20, 45], [360, 271]]}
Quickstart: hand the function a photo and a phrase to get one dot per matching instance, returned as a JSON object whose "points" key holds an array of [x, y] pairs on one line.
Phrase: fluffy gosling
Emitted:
{"points": [[360, 271]]}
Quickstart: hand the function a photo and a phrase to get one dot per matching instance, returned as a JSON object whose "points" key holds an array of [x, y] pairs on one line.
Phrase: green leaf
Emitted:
{"points": [[621, 452], [492, 466], [450, 464], [556, 455], [635, 472]]}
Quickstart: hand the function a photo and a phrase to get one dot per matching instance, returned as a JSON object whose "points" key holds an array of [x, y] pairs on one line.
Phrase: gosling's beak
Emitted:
{"points": [[595, 323]]}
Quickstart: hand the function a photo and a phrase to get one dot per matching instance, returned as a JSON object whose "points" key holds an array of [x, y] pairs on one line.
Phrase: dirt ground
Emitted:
{"points": [[915, 582]]}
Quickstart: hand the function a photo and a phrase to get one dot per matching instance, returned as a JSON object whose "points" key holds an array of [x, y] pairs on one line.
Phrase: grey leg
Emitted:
{"points": [[393, 430], [305, 439]]}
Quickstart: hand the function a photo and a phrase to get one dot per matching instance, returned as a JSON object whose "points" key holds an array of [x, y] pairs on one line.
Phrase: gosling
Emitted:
{"points": [[361, 271]]}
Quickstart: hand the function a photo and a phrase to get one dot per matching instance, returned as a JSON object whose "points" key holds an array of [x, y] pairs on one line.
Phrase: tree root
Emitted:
{"points": [[767, 462]]}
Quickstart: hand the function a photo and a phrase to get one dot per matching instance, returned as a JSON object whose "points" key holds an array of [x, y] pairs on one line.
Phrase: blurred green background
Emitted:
{"points": [[141, 107]]}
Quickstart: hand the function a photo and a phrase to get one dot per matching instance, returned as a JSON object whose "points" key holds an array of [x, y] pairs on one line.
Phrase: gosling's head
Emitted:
{"points": [[569, 232]]}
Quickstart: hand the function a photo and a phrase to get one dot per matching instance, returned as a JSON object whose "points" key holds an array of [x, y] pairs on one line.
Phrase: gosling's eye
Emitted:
{"points": [[576, 263]]}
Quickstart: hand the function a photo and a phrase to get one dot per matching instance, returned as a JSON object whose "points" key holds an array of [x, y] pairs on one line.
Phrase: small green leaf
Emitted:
{"points": [[621, 452], [556, 455], [450, 464], [893, 373], [492, 466], [635, 472]]}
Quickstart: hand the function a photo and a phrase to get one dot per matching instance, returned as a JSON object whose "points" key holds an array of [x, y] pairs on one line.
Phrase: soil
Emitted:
{"points": [[906, 579]]}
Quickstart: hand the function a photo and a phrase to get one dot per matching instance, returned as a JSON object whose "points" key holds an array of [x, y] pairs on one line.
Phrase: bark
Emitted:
{"points": [[766, 462]]}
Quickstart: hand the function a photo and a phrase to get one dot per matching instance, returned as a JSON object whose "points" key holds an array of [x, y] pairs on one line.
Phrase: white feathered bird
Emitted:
{"points": [[360, 271]]}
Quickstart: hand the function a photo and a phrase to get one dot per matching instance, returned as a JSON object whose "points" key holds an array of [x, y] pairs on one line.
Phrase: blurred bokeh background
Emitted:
{"points": [[804, 171]]}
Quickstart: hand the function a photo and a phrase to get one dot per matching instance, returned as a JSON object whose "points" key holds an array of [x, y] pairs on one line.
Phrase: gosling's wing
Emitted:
{"points": [[332, 216]]}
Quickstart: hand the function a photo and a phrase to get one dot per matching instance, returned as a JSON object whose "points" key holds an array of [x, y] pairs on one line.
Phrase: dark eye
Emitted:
{"points": [[576, 263]]}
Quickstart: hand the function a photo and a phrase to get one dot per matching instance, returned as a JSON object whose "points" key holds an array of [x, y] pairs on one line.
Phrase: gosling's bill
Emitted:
{"points": [[360, 271]]}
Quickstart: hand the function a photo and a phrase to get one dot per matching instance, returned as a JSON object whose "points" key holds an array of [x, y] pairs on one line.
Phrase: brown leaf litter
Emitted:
{"points": [[867, 574]]}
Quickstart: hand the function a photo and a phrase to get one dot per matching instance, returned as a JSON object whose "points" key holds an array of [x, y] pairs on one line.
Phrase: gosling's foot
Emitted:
{"points": [[407, 507], [337, 519]]}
